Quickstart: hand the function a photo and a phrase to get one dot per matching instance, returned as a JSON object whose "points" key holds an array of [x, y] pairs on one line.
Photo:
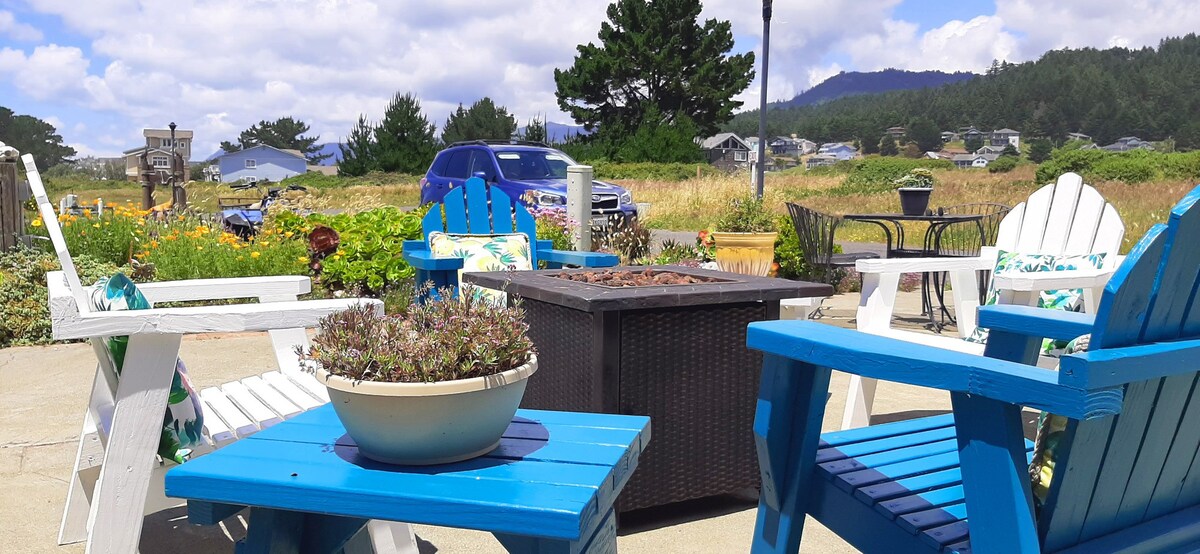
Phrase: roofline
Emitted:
{"points": [[300, 157]]}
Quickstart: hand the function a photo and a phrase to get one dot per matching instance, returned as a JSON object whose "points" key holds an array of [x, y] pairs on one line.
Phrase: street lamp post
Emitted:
{"points": [[760, 167]]}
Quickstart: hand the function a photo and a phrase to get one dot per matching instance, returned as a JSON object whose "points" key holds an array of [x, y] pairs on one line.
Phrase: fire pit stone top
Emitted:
{"points": [[589, 289]]}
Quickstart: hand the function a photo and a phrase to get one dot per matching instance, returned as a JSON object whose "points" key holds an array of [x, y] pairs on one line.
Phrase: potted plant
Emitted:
{"points": [[915, 188], [745, 238], [438, 383]]}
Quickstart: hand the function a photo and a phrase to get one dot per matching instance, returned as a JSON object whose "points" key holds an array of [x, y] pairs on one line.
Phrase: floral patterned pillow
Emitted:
{"points": [[508, 252], [183, 423], [1066, 299]]}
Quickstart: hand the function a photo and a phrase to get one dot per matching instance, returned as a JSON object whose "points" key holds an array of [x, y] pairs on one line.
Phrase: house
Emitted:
{"points": [[159, 146], [939, 156], [821, 160], [970, 133], [726, 151], [989, 149], [791, 146], [838, 150], [261, 163], [1005, 137], [973, 160], [1079, 136], [949, 136], [896, 132], [1125, 144]]}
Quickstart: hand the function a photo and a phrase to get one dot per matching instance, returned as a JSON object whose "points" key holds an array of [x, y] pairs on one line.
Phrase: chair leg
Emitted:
{"points": [[73, 527], [390, 537], [877, 301], [860, 397], [115, 522]]}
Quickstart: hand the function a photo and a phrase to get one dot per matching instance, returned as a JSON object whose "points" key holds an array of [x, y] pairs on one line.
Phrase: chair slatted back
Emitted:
{"points": [[50, 219], [967, 238], [479, 209], [815, 231], [1067, 217], [1119, 471]]}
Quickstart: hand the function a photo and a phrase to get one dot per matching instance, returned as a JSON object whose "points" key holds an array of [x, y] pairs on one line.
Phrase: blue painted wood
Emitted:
{"points": [[884, 430], [1175, 532], [858, 523], [273, 531], [424, 259], [1037, 322], [479, 219], [927, 519], [890, 443], [1123, 310], [920, 501], [307, 464], [1156, 440], [942, 474], [454, 206], [915, 364], [582, 259], [211, 513], [995, 471], [787, 428], [890, 457], [1179, 275], [952, 533], [1183, 448], [502, 216], [1119, 366], [602, 539]]}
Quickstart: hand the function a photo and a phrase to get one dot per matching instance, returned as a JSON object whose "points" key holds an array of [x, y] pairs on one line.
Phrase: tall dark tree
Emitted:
{"points": [[30, 135], [887, 146], [655, 53], [869, 146], [535, 130], [1010, 150], [483, 120], [404, 140], [358, 153], [925, 133], [657, 141], [1040, 150], [284, 133], [974, 143]]}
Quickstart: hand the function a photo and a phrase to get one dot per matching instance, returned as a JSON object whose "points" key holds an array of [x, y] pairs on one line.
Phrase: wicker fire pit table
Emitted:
{"points": [[674, 352]]}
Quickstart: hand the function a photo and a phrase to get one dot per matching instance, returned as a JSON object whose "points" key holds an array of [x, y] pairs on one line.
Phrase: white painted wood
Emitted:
{"points": [[284, 343], [860, 397], [877, 301], [216, 404], [115, 522], [392, 538], [1055, 280], [922, 265], [1062, 211], [270, 397], [1086, 222], [249, 405], [291, 391], [290, 286], [215, 429], [964, 289], [1033, 225], [1009, 230], [310, 384], [1109, 234], [88, 454], [799, 308], [50, 219]]}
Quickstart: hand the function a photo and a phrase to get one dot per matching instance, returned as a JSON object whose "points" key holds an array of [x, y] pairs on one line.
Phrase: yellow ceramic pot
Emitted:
{"points": [[745, 253]]}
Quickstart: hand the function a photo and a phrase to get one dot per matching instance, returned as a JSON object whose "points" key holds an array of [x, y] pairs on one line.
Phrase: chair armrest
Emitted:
{"points": [[915, 364], [203, 319], [1054, 280], [921, 265], [424, 259], [289, 286], [1036, 322], [581, 259]]}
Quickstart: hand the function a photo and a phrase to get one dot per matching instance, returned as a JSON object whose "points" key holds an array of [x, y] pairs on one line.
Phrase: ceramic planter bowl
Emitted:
{"points": [[914, 200], [745, 253], [428, 423]]}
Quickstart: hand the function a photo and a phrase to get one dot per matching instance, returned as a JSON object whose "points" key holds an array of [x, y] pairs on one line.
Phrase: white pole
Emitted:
{"points": [[579, 204]]}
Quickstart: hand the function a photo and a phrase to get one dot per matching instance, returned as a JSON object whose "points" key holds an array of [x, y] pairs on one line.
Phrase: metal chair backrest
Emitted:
{"points": [[966, 238], [815, 231]]}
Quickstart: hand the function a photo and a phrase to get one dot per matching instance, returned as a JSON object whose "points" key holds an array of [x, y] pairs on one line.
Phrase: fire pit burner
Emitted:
{"points": [[644, 278]]}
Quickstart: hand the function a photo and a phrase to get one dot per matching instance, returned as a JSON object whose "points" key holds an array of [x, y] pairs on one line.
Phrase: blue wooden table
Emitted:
{"points": [[548, 487]]}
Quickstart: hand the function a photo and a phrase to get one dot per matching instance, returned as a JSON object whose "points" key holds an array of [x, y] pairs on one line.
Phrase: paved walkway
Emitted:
{"points": [[42, 396]]}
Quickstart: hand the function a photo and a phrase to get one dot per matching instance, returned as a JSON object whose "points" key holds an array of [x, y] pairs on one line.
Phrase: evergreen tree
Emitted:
{"points": [[925, 133], [1040, 150], [483, 120], [887, 146], [1010, 150], [869, 146], [404, 140], [284, 133], [358, 153], [655, 53], [661, 141], [972, 144], [535, 130], [30, 135]]}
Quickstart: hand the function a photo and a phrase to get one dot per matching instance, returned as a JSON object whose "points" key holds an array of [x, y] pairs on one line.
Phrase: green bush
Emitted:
{"points": [[1137, 166], [875, 174], [1003, 164], [788, 253], [24, 313]]}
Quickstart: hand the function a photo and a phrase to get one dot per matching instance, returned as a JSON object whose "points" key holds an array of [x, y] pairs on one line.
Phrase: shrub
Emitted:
{"points": [[191, 250], [111, 237], [876, 174], [554, 225], [788, 253], [1137, 166], [745, 214], [24, 313], [1003, 164], [677, 253], [919, 178], [627, 238], [369, 255]]}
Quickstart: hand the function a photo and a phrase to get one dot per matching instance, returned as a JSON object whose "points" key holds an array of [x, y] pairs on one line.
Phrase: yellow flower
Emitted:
{"points": [[153, 244], [87, 213], [199, 248], [302, 259], [288, 234], [255, 254], [96, 225], [179, 218], [37, 222], [240, 258]]}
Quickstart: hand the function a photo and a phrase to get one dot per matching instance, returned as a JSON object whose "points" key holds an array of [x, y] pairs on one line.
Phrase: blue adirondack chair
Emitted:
{"points": [[1127, 477], [477, 208]]}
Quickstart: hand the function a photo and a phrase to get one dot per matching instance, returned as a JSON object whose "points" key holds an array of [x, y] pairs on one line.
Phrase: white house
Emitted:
{"points": [[974, 160]]}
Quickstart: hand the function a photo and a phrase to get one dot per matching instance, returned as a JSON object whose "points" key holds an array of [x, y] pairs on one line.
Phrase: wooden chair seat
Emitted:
{"points": [[906, 473]]}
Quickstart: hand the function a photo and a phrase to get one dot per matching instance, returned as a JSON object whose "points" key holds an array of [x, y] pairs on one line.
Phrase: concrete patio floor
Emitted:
{"points": [[43, 391]]}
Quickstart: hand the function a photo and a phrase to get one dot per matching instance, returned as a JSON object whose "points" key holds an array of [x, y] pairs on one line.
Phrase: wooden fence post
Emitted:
{"points": [[12, 219]]}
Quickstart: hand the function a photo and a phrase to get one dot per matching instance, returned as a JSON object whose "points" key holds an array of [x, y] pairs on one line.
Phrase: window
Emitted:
{"points": [[181, 144], [482, 163], [166, 143], [251, 164], [459, 165], [739, 155], [160, 161], [250, 179], [439, 163]]}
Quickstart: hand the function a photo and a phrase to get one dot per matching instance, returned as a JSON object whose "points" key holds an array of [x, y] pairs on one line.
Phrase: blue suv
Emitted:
{"points": [[530, 172]]}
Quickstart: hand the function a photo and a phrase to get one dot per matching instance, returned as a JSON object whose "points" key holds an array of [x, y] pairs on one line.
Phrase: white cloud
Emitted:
{"points": [[50, 71], [954, 46], [16, 30], [1099, 24]]}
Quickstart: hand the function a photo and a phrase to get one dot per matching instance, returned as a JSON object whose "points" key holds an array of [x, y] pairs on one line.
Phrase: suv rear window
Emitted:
{"points": [[458, 167], [439, 164]]}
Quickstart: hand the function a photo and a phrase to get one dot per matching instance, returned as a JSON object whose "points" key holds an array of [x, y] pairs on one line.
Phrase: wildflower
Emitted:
{"points": [[199, 248], [255, 254], [302, 259], [37, 222], [153, 244], [87, 213], [171, 237], [240, 258], [96, 225], [288, 234]]}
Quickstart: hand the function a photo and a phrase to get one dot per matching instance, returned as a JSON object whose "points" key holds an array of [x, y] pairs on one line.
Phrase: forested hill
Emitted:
{"points": [[1151, 93], [854, 82]]}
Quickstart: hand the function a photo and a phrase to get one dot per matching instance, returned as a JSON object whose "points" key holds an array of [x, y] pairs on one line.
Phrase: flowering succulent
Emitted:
{"points": [[440, 340], [920, 178]]}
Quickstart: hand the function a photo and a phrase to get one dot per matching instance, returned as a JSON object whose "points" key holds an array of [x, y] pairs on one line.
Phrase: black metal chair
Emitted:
{"points": [[966, 239], [816, 230]]}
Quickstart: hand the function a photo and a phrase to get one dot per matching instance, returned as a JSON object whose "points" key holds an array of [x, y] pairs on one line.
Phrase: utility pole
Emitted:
{"points": [[760, 166]]}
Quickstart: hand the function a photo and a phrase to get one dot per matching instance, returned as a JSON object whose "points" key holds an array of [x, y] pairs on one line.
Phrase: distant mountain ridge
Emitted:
{"points": [[851, 83]]}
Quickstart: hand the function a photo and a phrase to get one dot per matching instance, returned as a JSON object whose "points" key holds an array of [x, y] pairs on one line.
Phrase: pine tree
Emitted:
{"points": [[925, 133], [535, 130], [483, 120], [869, 146], [1040, 150], [974, 143], [887, 146], [404, 140], [358, 153]]}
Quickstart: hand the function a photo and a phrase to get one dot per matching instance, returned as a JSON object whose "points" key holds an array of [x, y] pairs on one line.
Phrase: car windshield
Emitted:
{"points": [[533, 164]]}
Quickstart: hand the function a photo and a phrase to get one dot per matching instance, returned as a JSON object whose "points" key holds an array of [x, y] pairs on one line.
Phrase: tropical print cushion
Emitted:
{"points": [[1065, 299], [508, 252], [183, 421], [1049, 434]]}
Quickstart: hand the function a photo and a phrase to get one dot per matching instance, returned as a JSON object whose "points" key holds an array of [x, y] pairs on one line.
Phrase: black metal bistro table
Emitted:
{"points": [[676, 353], [893, 229]]}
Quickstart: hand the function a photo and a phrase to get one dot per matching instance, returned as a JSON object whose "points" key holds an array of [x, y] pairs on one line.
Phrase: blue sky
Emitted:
{"points": [[101, 70]]}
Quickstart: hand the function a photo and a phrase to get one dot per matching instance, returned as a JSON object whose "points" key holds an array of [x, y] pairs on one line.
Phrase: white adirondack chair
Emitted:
{"points": [[117, 477], [1067, 217]]}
